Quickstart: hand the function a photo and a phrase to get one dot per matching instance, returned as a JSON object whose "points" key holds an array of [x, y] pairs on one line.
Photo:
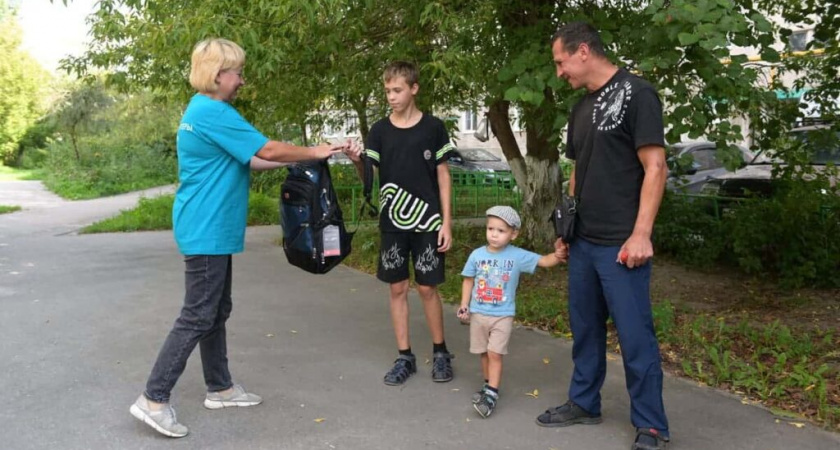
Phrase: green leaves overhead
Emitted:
{"points": [[308, 58]]}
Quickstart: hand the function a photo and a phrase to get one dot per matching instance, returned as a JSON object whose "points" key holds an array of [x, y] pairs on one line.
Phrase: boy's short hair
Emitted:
{"points": [[575, 33], [403, 69], [211, 56], [507, 214]]}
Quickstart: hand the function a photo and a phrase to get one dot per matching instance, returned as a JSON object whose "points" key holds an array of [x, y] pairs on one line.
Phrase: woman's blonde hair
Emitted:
{"points": [[210, 57]]}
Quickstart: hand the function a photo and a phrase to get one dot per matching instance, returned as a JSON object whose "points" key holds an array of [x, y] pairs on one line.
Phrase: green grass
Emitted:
{"points": [[8, 209], [14, 174], [156, 214], [150, 214]]}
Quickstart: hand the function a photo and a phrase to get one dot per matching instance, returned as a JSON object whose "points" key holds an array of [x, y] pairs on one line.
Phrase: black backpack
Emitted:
{"points": [[314, 236]]}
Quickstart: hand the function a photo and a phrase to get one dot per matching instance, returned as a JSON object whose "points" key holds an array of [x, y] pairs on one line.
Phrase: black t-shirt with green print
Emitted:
{"points": [[409, 196]]}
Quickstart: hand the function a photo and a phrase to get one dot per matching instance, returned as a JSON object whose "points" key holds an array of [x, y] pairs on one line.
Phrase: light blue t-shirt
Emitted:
{"points": [[496, 276], [215, 146]]}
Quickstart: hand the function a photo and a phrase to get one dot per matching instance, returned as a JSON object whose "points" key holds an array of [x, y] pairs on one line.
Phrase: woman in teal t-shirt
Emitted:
{"points": [[217, 148]]}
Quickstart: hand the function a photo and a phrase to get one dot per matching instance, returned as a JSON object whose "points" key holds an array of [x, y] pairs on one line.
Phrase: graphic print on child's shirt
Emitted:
{"points": [[491, 280]]}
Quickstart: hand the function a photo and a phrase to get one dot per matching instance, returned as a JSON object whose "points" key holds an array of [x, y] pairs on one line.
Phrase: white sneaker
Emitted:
{"points": [[237, 397], [164, 421]]}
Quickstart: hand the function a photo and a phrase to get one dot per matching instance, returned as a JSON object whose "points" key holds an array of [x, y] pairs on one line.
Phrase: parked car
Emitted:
{"points": [[479, 166], [693, 164], [756, 179]]}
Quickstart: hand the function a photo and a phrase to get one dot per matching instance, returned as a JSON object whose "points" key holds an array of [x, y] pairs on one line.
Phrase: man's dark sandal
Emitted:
{"points": [[442, 367], [404, 366], [567, 414], [649, 439]]}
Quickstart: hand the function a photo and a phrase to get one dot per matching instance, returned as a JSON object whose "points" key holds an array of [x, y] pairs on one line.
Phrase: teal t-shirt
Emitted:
{"points": [[496, 277], [215, 147]]}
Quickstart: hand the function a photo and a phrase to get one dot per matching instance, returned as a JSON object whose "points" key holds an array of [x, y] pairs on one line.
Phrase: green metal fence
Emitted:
{"points": [[468, 200]]}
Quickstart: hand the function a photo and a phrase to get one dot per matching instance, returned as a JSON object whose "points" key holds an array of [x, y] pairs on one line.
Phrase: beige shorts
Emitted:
{"points": [[490, 333]]}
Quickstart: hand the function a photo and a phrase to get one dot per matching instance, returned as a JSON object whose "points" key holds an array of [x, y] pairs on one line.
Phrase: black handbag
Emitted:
{"points": [[564, 218], [564, 215]]}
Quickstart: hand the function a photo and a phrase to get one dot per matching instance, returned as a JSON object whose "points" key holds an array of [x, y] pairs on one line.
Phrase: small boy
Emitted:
{"points": [[488, 295], [411, 150]]}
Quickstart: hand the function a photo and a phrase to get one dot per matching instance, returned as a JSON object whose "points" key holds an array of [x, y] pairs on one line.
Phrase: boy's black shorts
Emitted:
{"points": [[394, 253]]}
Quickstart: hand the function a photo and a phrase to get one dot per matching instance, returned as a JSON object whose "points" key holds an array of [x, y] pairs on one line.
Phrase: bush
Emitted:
{"points": [[105, 168], [791, 237], [687, 229]]}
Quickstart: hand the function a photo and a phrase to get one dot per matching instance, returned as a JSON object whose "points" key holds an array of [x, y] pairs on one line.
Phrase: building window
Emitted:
{"points": [[469, 121], [799, 40], [341, 126]]}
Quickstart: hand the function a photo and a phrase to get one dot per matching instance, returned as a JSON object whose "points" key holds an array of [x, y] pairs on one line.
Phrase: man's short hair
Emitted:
{"points": [[211, 56], [403, 69], [575, 33]]}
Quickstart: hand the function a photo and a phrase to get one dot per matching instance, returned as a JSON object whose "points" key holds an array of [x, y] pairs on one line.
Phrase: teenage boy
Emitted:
{"points": [[411, 150]]}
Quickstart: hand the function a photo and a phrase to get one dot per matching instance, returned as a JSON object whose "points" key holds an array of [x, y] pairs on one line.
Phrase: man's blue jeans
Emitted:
{"points": [[599, 287], [207, 305]]}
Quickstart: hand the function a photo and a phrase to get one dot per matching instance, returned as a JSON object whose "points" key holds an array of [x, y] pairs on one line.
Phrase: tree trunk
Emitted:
{"points": [[75, 147], [361, 112], [538, 176]]}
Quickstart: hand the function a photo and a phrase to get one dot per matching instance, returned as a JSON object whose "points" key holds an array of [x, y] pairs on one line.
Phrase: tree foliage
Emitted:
{"points": [[308, 58], [22, 81], [80, 110]]}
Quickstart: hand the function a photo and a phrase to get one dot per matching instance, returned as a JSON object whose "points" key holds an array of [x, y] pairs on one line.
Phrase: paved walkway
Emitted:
{"points": [[83, 317]]}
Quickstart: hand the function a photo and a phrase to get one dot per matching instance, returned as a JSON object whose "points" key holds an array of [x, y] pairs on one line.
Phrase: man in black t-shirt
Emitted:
{"points": [[411, 150], [616, 138]]}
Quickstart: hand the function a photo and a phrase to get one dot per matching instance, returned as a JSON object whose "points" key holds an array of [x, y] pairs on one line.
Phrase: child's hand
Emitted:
{"points": [[464, 314], [561, 250], [353, 150]]}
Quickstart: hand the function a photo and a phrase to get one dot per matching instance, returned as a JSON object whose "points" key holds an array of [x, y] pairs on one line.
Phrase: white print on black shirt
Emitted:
{"points": [[428, 261], [406, 211], [611, 105], [391, 258]]}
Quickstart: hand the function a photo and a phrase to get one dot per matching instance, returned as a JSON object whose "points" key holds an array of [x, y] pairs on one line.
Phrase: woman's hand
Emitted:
{"points": [[324, 151]]}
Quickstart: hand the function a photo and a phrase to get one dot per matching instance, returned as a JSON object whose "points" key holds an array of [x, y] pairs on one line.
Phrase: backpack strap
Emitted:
{"points": [[367, 190]]}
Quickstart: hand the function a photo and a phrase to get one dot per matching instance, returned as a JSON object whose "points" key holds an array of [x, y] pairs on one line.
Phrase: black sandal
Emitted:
{"points": [[649, 439], [404, 366], [442, 367]]}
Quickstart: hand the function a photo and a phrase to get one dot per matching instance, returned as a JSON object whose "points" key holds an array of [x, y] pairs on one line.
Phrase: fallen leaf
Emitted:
{"points": [[428, 361], [534, 394], [546, 360], [798, 424], [611, 357], [319, 420], [810, 387], [455, 390]]}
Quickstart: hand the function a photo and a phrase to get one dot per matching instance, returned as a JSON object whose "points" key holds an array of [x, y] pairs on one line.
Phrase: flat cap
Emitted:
{"points": [[507, 214]]}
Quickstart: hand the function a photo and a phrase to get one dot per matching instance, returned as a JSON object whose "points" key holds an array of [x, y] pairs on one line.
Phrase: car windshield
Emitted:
{"points": [[824, 143], [475, 154]]}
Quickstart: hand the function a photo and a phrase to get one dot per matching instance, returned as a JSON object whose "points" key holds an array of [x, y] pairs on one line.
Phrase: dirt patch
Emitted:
{"points": [[722, 292]]}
